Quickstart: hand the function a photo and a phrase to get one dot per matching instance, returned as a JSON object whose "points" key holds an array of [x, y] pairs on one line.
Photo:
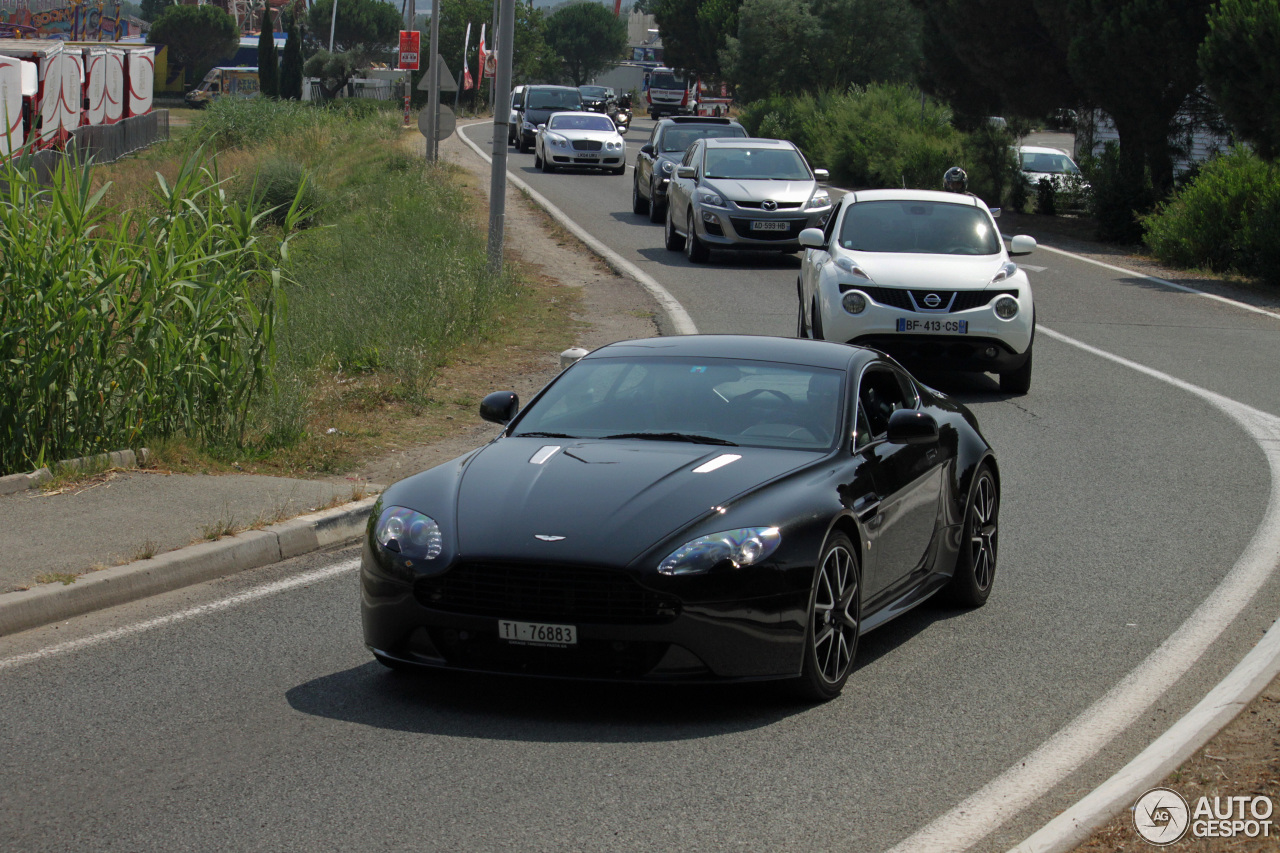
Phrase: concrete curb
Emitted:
{"points": [[20, 611], [11, 483]]}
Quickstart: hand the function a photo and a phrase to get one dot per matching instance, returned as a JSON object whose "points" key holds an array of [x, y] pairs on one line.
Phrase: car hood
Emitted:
{"points": [[610, 500], [949, 272], [761, 190]]}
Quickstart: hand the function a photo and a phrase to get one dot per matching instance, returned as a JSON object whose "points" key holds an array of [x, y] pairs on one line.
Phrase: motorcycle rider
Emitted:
{"points": [[956, 180]]}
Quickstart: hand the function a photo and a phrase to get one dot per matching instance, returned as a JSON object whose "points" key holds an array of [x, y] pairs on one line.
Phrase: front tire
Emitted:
{"points": [[655, 210], [546, 165], [835, 621], [802, 328], [815, 328], [674, 242], [1017, 381], [976, 563], [639, 204], [537, 160], [694, 248]]}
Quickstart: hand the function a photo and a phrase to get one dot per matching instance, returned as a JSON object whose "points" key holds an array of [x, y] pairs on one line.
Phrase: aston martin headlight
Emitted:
{"points": [[409, 533], [529, 126], [665, 167], [1006, 307], [741, 547]]}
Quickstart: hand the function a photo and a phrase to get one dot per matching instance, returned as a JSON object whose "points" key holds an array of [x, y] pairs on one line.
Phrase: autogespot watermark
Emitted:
{"points": [[1162, 816]]}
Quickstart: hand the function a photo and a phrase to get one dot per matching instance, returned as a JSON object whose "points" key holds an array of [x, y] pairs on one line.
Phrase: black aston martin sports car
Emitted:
{"points": [[687, 509]]}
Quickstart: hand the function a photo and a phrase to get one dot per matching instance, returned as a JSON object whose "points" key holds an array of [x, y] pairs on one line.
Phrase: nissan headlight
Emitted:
{"points": [[819, 200], [742, 547], [853, 302], [708, 197], [1006, 307], [409, 533], [529, 126]]}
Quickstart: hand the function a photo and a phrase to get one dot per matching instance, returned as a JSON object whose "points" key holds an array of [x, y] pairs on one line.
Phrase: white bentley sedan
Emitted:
{"points": [[923, 276], [579, 139]]}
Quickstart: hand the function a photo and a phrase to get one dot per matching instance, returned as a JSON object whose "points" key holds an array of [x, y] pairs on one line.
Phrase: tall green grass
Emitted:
{"points": [[115, 326]]}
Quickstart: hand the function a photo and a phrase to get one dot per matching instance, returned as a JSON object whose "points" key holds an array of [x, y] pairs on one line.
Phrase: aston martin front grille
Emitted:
{"points": [[544, 592]]}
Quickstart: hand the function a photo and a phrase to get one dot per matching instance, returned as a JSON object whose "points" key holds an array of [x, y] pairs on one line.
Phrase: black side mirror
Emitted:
{"points": [[907, 426], [646, 150], [500, 407]]}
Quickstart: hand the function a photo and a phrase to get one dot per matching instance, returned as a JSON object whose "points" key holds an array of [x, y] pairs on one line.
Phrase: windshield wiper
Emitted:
{"points": [[674, 436], [543, 435]]}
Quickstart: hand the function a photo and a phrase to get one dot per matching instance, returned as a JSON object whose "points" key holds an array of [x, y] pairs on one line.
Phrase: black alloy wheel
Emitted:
{"points": [[697, 251], [674, 242], [835, 621], [639, 204], [979, 544]]}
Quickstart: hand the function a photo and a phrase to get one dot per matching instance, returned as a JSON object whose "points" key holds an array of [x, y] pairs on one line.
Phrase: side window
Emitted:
{"points": [[653, 137], [880, 394], [691, 155], [830, 228]]}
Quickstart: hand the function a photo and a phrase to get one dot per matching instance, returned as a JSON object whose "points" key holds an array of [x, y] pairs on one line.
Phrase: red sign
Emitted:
{"points": [[409, 43]]}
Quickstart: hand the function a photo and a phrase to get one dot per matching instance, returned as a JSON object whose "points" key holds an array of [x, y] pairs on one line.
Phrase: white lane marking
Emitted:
{"points": [[680, 318], [1033, 268], [254, 594], [1184, 288], [1036, 774]]}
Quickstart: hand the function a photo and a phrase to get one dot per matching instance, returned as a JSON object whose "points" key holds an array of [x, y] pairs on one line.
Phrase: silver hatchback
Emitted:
{"points": [[743, 194]]}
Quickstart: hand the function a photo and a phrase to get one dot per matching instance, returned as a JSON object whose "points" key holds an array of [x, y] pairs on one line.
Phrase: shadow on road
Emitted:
{"points": [[725, 260]]}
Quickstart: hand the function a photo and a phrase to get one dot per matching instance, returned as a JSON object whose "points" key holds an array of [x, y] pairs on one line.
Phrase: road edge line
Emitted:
{"points": [[680, 319]]}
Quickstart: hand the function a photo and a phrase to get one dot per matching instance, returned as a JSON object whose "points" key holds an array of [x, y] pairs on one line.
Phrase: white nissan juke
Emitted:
{"points": [[923, 276]]}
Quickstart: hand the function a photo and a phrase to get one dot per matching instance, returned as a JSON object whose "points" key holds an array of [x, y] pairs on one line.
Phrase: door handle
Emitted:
{"points": [[865, 505]]}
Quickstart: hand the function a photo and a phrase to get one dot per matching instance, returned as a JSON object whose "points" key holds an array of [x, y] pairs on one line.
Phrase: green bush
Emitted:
{"points": [[283, 189], [1046, 197], [115, 326], [238, 122], [1227, 218], [1117, 204]]}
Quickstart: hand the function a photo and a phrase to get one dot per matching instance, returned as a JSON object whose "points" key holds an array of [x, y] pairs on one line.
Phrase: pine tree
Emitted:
{"points": [[268, 67], [291, 64]]}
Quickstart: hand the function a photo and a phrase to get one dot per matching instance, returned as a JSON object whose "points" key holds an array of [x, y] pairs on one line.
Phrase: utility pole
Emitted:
{"points": [[501, 114], [333, 23], [433, 145]]}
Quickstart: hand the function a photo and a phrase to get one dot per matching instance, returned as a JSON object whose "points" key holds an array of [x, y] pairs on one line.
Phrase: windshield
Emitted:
{"points": [[561, 121], [778, 164], [554, 99], [707, 401], [680, 137], [925, 227], [1059, 164], [665, 80], [594, 91]]}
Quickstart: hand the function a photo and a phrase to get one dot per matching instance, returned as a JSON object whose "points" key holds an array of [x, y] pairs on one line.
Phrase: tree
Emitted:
{"points": [[1241, 69], [372, 23], [291, 63], [696, 32], [587, 37], [867, 41], [268, 65], [149, 10], [335, 70], [197, 36], [773, 53]]}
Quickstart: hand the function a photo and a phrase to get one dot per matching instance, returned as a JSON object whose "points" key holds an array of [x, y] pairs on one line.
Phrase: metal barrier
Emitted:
{"points": [[105, 143]]}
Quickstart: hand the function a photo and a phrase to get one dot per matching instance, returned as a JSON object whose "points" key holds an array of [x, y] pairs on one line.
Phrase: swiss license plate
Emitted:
{"points": [[537, 633], [759, 225], [943, 327]]}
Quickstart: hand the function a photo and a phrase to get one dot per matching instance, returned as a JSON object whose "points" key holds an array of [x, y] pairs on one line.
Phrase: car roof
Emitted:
{"points": [[1040, 149], [747, 142], [810, 353], [915, 195], [558, 88], [578, 113], [733, 122]]}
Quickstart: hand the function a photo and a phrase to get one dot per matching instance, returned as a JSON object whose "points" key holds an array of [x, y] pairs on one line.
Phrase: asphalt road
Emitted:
{"points": [[265, 725]]}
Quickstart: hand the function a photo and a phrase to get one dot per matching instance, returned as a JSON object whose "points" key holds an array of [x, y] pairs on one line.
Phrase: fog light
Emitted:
{"points": [[1006, 308], [708, 216], [854, 302]]}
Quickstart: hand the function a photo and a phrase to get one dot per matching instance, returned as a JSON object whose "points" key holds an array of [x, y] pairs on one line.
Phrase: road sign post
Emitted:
{"points": [[501, 114], [410, 44]]}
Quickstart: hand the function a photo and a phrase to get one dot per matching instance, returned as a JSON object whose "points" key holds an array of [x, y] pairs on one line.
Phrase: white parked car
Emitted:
{"points": [[579, 139], [923, 276], [1037, 163]]}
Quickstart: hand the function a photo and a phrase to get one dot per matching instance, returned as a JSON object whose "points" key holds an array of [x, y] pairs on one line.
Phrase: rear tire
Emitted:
{"points": [[976, 563], [835, 621], [674, 242], [1017, 381], [639, 204]]}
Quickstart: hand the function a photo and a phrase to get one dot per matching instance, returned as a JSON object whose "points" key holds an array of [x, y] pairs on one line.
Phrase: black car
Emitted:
{"points": [[540, 102], [687, 509], [657, 160], [598, 99]]}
